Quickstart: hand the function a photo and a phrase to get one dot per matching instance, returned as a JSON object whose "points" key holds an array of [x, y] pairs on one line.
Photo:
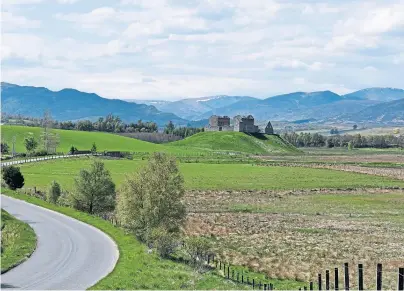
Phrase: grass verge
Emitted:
{"points": [[18, 241]]}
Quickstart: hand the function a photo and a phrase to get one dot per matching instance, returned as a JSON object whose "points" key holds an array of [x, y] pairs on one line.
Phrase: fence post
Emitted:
{"points": [[400, 284], [320, 283], [327, 280], [232, 274], [208, 259], [220, 265], [228, 272], [238, 279], [360, 277], [242, 277], [304, 288], [253, 283], [346, 276], [379, 272], [271, 286], [336, 279], [311, 285]]}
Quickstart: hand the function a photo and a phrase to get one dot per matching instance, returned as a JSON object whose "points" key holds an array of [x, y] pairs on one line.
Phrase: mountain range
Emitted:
{"points": [[322, 105], [71, 104], [382, 105]]}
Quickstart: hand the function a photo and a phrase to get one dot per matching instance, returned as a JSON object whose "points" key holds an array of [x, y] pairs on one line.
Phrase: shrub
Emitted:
{"points": [[54, 192], [13, 177], [4, 148], [164, 242], [196, 247]]}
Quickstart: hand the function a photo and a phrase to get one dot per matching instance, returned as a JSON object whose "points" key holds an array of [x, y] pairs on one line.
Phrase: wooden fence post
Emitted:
{"points": [[228, 272], [232, 274], [220, 265], [379, 272], [320, 283], [400, 283], [360, 277], [208, 259], [346, 276], [253, 283], [327, 280], [336, 279], [238, 277], [271, 286], [304, 288], [311, 285], [242, 277]]}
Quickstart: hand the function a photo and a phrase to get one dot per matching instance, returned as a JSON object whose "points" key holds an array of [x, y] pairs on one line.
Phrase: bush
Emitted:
{"points": [[13, 177], [196, 247], [164, 242], [54, 192]]}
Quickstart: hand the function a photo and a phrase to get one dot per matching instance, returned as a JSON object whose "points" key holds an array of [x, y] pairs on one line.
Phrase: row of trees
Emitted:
{"points": [[356, 141], [149, 203]]}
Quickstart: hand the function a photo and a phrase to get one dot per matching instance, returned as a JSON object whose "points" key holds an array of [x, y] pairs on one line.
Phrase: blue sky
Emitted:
{"points": [[171, 49]]}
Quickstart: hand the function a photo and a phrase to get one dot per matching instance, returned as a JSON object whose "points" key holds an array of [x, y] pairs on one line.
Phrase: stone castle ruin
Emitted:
{"points": [[240, 124]]}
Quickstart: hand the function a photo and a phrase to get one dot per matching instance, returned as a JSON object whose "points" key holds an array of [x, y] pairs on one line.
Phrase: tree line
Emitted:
{"points": [[110, 123], [348, 141]]}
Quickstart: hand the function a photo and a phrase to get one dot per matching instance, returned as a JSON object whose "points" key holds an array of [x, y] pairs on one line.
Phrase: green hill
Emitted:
{"points": [[82, 140], [237, 142]]}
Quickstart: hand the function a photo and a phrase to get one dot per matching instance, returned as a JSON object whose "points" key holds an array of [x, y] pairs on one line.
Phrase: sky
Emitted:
{"points": [[172, 49]]}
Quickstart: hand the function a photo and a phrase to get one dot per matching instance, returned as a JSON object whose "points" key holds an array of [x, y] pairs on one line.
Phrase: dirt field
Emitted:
{"points": [[297, 234]]}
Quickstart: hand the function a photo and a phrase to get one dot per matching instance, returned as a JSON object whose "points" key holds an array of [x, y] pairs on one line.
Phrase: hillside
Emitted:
{"points": [[70, 104], [236, 142], [377, 94], [392, 111], [82, 140]]}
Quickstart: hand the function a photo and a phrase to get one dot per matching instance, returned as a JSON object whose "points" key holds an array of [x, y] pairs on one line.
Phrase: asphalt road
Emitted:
{"points": [[69, 255]]}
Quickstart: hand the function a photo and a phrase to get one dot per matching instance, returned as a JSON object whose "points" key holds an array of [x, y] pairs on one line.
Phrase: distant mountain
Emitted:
{"points": [[386, 112], [71, 104], [155, 103], [322, 105], [378, 94], [192, 108]]}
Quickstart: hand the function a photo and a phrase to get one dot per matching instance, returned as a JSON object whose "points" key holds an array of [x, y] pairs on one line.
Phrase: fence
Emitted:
{"points": [[232, 274], [37, 159]]}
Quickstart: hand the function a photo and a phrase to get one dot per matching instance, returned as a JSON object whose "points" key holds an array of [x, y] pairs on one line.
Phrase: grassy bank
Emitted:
{"points": [[18, 241]]}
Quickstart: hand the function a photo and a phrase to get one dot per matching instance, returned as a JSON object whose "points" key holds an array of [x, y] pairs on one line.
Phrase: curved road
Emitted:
{"points": [[69, 254]]}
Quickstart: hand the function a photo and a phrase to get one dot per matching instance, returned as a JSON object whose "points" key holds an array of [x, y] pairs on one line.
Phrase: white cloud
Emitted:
{"points": [[195, 48], [10, 21]]}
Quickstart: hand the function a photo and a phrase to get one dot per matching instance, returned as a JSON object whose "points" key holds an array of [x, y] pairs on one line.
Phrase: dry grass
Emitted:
{"points": [[297, 234]]}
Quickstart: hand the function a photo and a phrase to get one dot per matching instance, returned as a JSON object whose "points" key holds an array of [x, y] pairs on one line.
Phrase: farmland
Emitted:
{"points": [[264, 205], [210, 176]]}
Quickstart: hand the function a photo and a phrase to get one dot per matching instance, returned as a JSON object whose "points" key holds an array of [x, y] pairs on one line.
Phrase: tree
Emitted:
{"points": [[4, 148], [152, 198], [94, 190], [73, 149], [13, 178], [350, 145], [169, 127], [30, 143], [355, 127], [94, 148], [197, 247], [54, 192]]}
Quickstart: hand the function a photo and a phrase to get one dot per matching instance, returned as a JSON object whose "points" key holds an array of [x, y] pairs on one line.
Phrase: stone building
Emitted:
{"points": [[269, 129], [245, 124], [219, 123]]}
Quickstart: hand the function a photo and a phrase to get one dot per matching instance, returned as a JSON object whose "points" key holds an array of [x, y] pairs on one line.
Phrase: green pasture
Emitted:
{"points": [[209, 176], [18, 241], [237, 142]]}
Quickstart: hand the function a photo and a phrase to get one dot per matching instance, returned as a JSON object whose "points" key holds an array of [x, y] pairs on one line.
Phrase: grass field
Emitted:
{"points": [[210, 176], [298, 234], [237, 142], [136, 269], [18, 241], [205, 142]]}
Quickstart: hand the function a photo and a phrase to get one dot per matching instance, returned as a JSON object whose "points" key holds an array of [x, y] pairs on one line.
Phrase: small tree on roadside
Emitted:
{"points": [[94, 148], [350, 145], [54, 192], [94, 190], [30, 143], [4, 148], [152, 199], [13, 178], [196, 247], [73, 149]]}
